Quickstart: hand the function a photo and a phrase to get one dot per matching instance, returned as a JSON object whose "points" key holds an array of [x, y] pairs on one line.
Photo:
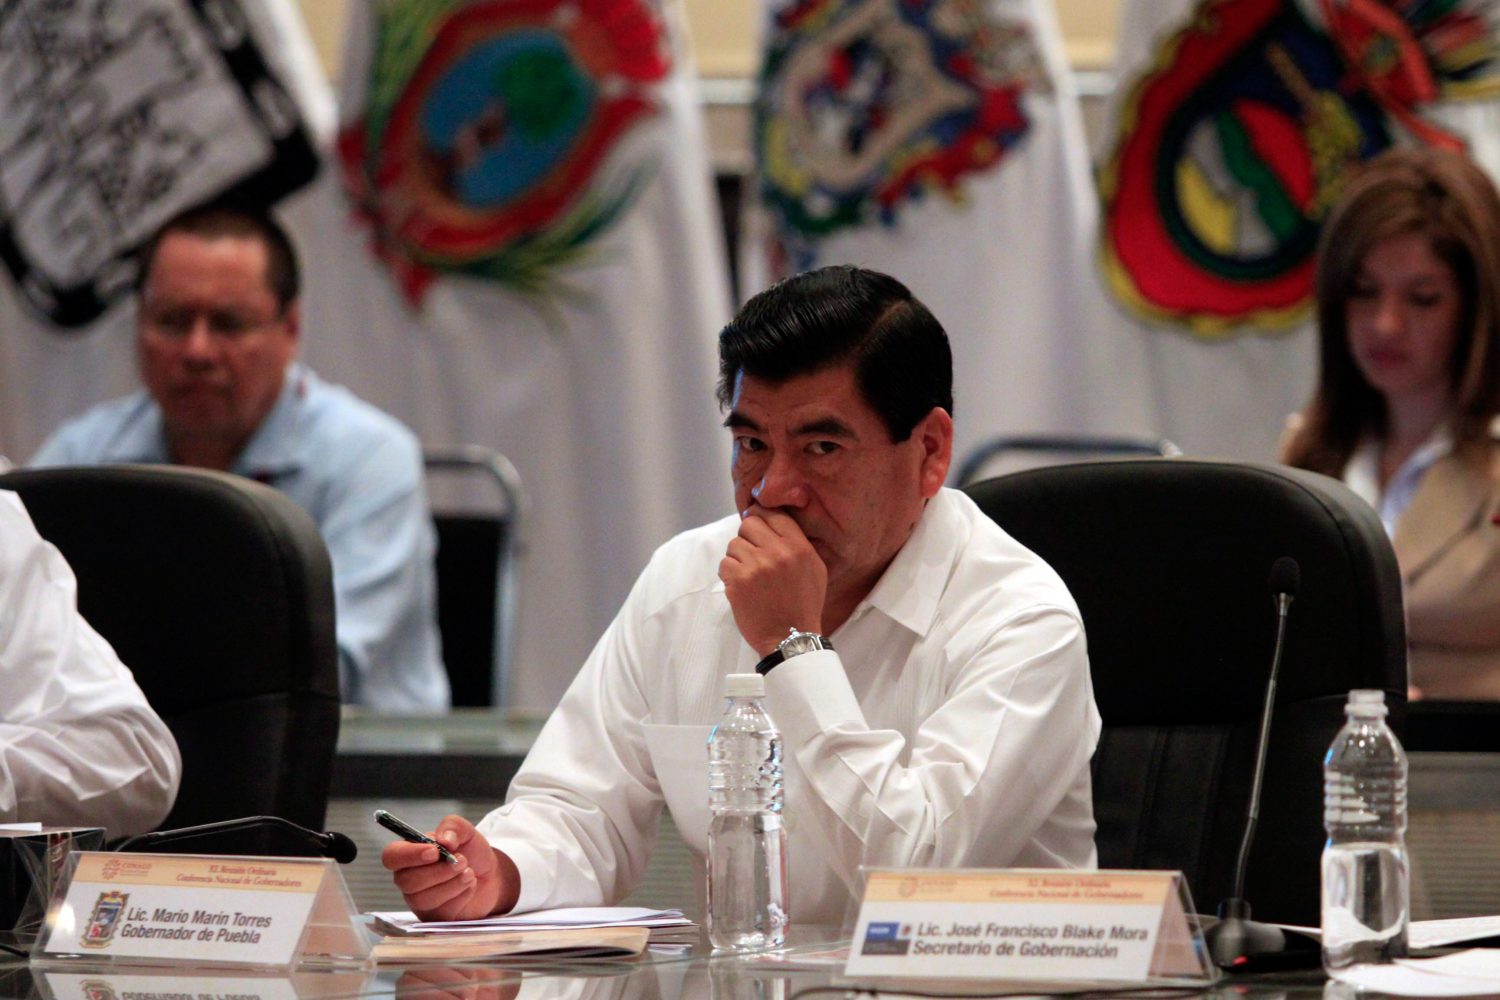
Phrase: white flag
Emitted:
{"points": [[524, 255], [940, 141]]}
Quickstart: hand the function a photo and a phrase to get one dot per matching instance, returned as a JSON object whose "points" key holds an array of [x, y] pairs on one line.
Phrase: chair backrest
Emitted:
{"points": [[217, 593], [478, 575], [1434, 726], [1168, 560], [1048, 449]]}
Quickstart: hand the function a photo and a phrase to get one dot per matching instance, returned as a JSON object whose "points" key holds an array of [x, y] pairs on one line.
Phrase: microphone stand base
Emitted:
{"points": [[1237, 943]]}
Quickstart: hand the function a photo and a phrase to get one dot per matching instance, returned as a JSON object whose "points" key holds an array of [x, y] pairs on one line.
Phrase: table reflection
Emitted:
{"points": [[459, 983], [813, 960], [193, 984]]}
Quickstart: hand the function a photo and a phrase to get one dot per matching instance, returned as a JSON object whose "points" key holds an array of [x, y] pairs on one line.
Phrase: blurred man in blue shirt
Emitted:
{"points": [[218, 329]]}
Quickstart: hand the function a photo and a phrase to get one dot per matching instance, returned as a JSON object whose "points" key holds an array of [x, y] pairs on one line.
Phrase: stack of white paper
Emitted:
{"points": [[1475, 972], [602, 930], [405, 922], [670, 930]]}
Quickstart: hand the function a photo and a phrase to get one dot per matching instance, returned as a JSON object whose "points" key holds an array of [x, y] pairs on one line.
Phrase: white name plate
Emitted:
{"points": [[246, 911], [1024, 925]]}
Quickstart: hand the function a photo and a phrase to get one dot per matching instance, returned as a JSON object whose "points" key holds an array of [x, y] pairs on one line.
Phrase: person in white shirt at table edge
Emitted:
{"points": [[947, 720]]}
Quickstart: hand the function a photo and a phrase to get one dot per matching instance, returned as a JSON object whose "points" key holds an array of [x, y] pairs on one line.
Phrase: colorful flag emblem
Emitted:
{"points": [[482, 146], [868, 106], [108, 909], [1236, 139]]}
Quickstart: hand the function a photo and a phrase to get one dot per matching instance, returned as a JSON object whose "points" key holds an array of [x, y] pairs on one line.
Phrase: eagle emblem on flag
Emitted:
{"points": [[484, 140]]}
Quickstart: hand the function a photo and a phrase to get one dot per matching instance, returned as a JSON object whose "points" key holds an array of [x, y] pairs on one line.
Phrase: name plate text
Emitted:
{"points": [[1011, 924], [249, 911]]}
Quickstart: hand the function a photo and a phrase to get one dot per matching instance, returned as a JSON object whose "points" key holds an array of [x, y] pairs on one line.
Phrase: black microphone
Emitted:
{"points": [[330, 845], [1236, 939]]}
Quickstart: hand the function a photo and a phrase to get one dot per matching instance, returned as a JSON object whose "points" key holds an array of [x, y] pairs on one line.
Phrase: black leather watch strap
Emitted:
{"points": [[779, 653]]}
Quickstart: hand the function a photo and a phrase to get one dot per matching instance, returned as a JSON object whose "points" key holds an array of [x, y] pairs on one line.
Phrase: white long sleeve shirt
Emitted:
{"points": [[952, 726], [78, 743]]}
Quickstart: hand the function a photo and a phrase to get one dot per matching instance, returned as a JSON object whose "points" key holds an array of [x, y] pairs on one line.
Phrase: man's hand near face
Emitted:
{"points": [[774, 579], [483, 882]]}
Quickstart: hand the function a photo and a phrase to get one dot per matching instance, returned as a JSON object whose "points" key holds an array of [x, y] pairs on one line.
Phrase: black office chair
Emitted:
{"points": [[477, 574], [216, 591], [1049, 449], [1436, 726], [1168, 560]]}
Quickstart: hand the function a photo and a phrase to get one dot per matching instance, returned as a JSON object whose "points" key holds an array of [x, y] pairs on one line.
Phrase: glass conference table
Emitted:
{"points": [[465, 761], [801, 970], [422, 768], [473, 753]]}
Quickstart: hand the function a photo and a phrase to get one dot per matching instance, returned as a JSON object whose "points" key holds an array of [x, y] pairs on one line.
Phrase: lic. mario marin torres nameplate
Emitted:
{"points": [[174, 908], [1024, 925]]}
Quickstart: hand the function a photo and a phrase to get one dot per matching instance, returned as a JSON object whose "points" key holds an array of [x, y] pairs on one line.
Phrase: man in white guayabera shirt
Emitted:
{"points": [[928, 673]]}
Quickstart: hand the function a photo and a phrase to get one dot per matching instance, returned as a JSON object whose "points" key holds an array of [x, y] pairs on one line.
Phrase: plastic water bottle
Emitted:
{"points": [[1365, 877], [746, 838]]}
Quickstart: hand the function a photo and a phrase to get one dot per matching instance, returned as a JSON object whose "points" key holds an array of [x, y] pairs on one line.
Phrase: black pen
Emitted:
{"points": [[410, 833]]}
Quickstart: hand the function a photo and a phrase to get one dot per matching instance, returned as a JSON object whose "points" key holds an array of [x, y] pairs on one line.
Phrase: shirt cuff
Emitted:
{"points": [[536, 882], [809, 694]]}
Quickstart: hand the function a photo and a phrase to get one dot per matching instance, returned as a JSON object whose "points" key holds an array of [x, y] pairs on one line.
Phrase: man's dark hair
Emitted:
{"points": [[838, 316], [232, 218]]}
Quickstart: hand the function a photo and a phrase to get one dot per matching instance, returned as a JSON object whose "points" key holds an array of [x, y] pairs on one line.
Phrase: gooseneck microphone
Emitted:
{"points": [[330, 845], [1236, 939]]}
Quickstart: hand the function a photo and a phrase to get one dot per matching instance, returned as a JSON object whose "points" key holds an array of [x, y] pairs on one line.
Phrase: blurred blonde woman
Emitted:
{"points": [[1408, 293]]}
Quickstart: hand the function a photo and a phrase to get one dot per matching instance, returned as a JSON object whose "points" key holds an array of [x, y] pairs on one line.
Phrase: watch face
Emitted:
{"points": [[800, 642]]}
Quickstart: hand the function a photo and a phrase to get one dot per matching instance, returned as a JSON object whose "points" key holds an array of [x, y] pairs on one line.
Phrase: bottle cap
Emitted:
{"points": [[744, 685], [1363, 702]]}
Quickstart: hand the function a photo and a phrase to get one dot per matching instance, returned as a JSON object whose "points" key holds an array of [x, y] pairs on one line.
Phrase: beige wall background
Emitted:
{"points": [[723, 33]]}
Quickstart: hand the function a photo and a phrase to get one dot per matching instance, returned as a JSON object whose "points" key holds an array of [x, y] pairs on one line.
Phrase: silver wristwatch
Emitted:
{"points": [[794, 644]]}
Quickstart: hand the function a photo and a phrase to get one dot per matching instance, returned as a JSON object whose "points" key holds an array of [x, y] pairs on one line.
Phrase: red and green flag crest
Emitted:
{"points": [[487, 132], [1235, 141]]}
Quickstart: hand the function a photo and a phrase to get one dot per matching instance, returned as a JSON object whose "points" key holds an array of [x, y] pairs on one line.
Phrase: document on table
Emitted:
{"points": [[613, 941], [1475, 972], [405, 922], [1431, 933], [576, 932]]}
